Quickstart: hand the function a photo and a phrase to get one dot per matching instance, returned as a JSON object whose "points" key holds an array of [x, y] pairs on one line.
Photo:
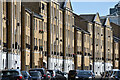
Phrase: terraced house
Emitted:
{"points": [[86, 39], [49, 35], [10, 32], [32, 39], [108, 41], [58, 20], [115, 53], [97, 41], [26, 15], [60, 30], [116, 39]]}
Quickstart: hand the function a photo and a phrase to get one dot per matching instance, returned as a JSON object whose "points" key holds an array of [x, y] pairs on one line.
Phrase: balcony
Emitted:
{"points": [[40, 48], [16, 45], [61, 54], [61, 40], [27, 45], [41, 31], [4, 49], [116, 58], [12, 45], [35, 47], [0, 42], [45, 53], [4, 44], [89, 54]]}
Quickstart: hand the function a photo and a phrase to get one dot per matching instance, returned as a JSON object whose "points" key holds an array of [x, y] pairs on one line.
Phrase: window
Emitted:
{"points": [[28, 39], [36, 24], [60, 32], [36, 41], [54, 11], [39, 42], [28, 21], [39, 25]]}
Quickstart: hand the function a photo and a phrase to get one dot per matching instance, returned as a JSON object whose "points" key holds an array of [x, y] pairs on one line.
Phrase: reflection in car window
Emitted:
{"points": [[84, 73], [5, 73], [34, 74]]}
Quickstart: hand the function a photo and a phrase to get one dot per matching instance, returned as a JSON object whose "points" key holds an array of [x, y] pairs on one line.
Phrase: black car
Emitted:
{"points": [[59, 75], [11, 74], [42, 71], [84, 75], [36, 75], [26, 75], [72, 74], [116, 75]]}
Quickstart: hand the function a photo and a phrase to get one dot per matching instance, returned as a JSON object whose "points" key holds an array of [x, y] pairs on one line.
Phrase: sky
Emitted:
{"points": [[92, 7]]}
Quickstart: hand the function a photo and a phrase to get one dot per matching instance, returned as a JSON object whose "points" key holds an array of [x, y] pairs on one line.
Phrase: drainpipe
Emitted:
{"points": [[49, 35]]}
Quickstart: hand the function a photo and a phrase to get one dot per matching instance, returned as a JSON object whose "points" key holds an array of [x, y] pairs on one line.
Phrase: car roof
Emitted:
{"points": [[11, 70], [115, 70], [35, 71]]}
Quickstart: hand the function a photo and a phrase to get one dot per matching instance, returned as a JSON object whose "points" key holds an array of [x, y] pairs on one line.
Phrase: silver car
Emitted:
{"points": [[35, 75]]}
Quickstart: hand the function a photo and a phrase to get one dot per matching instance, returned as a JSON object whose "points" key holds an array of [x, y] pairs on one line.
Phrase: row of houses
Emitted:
{"points": [[51, 35]]}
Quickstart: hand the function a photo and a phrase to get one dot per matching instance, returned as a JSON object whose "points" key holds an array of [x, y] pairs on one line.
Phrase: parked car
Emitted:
{"points": [[12, 74], [49, 75], [53, 74], [115, 73], [59, 75], [107, 75], [72, 74], [26, 75], [65, 74], [36, 75], [84, 75], [0, 74], [43, 72]]}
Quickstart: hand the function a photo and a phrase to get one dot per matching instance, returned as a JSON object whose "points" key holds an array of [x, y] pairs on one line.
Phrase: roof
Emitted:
{"points": [[11, 70], [38, 16], [103, 21], [89, 17], [116, 39], [63, 4], [116, 29], [81, 24], [35, 14]]}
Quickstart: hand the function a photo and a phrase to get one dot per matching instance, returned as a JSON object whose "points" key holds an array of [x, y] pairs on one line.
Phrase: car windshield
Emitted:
{"points": [[34, 74], [84, 73], [50, 71], [114, 72], [6, 73], [38, 70], [25, 74]]}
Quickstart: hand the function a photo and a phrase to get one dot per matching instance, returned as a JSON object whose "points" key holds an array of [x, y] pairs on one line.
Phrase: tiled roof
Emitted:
{"points": [[103, 21], [62, 3], [88, 17], [116, 29]]}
